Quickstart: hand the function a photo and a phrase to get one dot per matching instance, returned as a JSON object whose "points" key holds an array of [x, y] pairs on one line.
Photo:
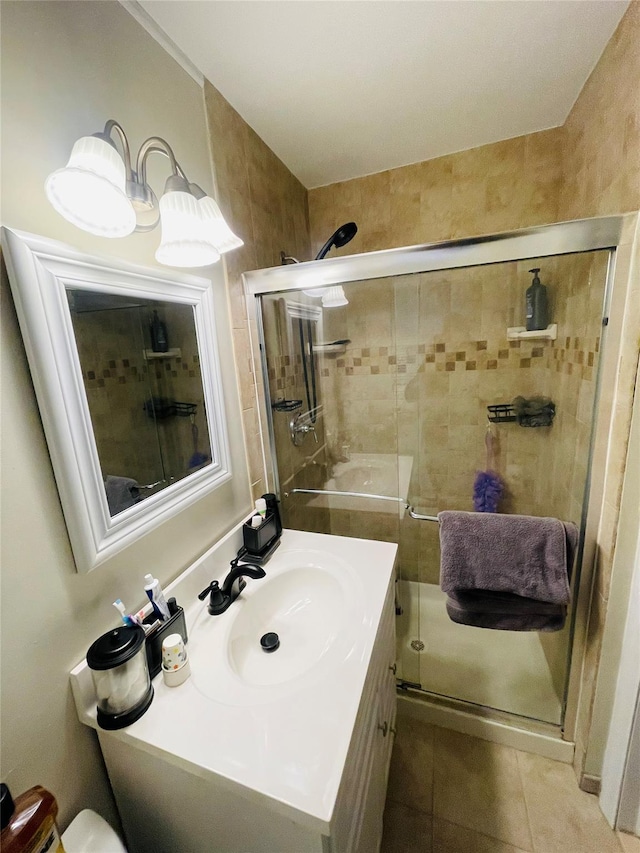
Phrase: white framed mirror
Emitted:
{"points": [[125, 366]]}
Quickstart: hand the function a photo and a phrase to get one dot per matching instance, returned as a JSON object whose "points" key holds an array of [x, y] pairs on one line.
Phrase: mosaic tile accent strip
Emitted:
{"points": [[470, 355], [576, 356], [123, 372]]}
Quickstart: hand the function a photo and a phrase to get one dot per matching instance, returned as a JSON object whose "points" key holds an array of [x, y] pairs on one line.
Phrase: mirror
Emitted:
{"points": [[141, 373], [125, 368]]}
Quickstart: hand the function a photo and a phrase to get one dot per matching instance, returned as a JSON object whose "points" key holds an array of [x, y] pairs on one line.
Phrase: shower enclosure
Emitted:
{"points": [[377, 412]]}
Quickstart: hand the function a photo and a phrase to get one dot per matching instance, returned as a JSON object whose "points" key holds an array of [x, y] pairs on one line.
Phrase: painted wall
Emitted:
{"points": [[66, 68]]}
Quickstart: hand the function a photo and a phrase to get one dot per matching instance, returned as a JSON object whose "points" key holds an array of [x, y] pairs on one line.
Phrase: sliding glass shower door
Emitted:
{"points": [[383, 404]]}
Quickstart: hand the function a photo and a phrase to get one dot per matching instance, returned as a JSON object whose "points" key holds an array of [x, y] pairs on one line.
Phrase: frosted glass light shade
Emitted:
{"points": [[334, 297], [215, 227], [182, 243], [90, 190]]}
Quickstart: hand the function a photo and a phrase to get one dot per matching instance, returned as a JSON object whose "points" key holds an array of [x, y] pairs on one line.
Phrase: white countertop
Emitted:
{"points": [[287, 742]]}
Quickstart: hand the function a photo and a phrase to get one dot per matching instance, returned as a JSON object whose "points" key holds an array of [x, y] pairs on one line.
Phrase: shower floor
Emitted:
{"points": [[506, 670]]}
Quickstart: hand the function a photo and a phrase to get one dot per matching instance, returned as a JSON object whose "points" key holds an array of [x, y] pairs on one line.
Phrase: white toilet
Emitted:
{"points": [[89, 833]]}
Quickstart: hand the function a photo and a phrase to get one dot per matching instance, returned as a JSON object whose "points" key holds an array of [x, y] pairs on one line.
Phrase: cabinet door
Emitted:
{"points": [[357, 822], [371, 828], [382, 728]]}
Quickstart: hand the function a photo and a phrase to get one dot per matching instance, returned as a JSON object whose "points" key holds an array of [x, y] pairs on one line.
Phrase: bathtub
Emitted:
{"points": [[369, 473]]}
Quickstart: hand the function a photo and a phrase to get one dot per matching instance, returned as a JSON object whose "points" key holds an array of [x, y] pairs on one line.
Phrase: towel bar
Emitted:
{"points": [[418, 516], [346, 494]]}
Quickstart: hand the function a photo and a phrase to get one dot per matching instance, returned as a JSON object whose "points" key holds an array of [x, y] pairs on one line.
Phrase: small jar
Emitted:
{"points": [[118, 663]]}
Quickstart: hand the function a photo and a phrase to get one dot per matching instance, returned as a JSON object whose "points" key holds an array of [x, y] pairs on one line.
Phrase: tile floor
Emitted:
{"points": [[453, 793]]}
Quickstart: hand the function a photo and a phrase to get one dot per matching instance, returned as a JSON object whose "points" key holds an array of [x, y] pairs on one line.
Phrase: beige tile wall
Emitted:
{"points": [[498, 187], [267, 207], [601, 151]]}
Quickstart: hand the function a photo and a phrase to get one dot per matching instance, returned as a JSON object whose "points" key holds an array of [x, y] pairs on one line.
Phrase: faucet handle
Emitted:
{"points": [[214, 586]]}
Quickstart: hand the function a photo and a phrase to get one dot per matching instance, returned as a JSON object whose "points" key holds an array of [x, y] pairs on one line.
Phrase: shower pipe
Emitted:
{"points": [[336, 493]]}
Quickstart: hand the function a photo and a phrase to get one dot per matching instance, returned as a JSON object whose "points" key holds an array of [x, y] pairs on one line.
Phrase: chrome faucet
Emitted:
{"points": [[299, 428], [221, 597]]}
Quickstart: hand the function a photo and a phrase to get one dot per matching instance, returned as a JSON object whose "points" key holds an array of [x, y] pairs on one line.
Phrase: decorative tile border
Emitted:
{"points": [[122, 371], [574, 358]]}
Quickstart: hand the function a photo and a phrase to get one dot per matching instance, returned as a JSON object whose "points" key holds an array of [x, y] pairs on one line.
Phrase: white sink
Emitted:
{"points": [[306, 607], [311, 599]]}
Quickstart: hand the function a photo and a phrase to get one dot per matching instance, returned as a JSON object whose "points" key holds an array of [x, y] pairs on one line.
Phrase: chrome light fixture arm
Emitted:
{"points": [[111, 125], [142, 196]]}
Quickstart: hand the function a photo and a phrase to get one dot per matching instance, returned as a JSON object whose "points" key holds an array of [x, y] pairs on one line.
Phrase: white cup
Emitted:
{"points": [[175, 663]]}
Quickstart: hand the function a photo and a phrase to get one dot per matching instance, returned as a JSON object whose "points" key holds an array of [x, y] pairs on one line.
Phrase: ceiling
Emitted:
{"points": [[344, 88]]}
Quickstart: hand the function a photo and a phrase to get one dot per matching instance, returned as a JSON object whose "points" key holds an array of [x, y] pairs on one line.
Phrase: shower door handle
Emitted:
{"points": [[420, 517]]}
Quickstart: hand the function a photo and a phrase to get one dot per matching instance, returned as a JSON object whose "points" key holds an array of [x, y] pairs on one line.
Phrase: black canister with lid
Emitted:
{"points": [[118, 664]]}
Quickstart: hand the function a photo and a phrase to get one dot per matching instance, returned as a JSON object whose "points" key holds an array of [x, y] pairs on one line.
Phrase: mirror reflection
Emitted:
{"points": [[141, 373]]}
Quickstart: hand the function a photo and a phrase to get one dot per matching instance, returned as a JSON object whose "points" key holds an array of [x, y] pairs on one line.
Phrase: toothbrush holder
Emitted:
{"points": [[175, 625]]}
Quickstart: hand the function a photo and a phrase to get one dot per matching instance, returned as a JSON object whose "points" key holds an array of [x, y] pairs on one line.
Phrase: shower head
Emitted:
{"points": [[339, 238]]}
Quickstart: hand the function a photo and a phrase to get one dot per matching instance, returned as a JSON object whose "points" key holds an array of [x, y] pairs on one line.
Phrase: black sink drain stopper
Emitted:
{"points": [[270, 641]]}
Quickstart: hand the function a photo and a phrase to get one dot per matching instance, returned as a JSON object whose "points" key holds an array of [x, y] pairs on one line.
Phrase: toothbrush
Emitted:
{"points": [[129, 621]]}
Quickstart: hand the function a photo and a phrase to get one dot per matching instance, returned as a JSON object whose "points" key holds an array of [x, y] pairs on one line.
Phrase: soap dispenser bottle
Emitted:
{"points": [[159, 337], [537, 305]]}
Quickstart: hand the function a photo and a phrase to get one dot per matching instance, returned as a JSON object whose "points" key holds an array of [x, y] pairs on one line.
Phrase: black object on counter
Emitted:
{"points": [[121, 677], [272, 509], [258, 540], [176, 624]]}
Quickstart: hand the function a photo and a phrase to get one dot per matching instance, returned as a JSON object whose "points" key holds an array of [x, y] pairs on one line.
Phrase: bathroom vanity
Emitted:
{"points": [[268, 752]]}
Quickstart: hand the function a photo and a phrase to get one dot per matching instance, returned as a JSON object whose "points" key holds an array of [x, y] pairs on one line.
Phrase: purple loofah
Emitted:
{"points": [[487, 491]]}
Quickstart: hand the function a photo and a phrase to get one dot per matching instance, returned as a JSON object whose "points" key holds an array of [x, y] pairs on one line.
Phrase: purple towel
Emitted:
{"points": [[504, 612], [122, 492], [509, 572]]}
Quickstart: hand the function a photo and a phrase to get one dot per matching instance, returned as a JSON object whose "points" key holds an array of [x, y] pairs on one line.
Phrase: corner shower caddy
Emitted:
{"points": [[503, 413]]}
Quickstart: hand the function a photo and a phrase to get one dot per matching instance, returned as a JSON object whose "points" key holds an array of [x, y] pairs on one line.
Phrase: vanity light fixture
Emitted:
{"points": [[100, 192], [334, 297]]}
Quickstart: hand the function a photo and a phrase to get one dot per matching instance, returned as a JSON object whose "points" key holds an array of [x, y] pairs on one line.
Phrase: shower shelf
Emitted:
{"points": [[519, 333], [333, 348], [502, 414], [506, 413], [170, 353], [286, 405]]}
